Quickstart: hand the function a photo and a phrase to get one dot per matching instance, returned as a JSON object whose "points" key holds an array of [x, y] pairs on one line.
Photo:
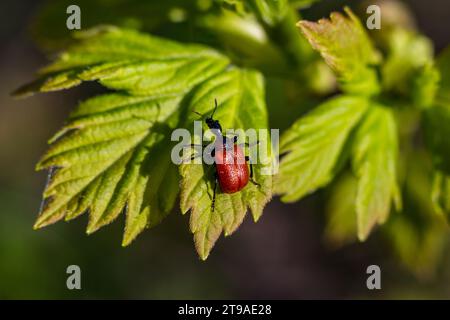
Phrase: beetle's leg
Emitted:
{"points": [[193, 156], [227, 142], [213, 202], [192, 145], [247, 158]]}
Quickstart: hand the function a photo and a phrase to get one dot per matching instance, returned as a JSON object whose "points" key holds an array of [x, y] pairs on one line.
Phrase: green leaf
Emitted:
{"points": [[127, 60], [417, 242], [374, 158], [245, 38], [238, 6], [301, 4], [437, 131], [269, 11], [314, 144], [241, 105], [443, 65], [416, 235], [440, 194], [112, 156], [407, 52], [345, 46], [341, 226], [425, 85]]}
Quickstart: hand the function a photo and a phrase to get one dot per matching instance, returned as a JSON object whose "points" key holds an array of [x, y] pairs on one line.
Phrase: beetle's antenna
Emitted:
{"points": [[215, 108], [197, 113]]}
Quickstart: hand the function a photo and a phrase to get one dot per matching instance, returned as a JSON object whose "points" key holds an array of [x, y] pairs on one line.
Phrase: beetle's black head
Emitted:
{"points": [[210, 122], [213, 124]]}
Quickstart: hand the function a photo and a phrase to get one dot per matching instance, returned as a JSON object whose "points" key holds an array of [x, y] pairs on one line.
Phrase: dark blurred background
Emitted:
{"points": [[283, 256]]}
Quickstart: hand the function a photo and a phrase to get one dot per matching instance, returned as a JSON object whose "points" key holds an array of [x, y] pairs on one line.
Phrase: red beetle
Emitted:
{"points": [[232, 171], [231, 168]]}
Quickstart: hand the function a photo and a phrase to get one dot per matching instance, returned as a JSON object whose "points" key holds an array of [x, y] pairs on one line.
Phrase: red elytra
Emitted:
{"points": [[232, 169]]}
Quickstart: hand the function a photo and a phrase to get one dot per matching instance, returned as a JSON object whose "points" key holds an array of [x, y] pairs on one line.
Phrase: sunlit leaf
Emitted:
{"points": [[127, 60], [343, 43], [314, 144], [112, 157], [374, 159]]}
